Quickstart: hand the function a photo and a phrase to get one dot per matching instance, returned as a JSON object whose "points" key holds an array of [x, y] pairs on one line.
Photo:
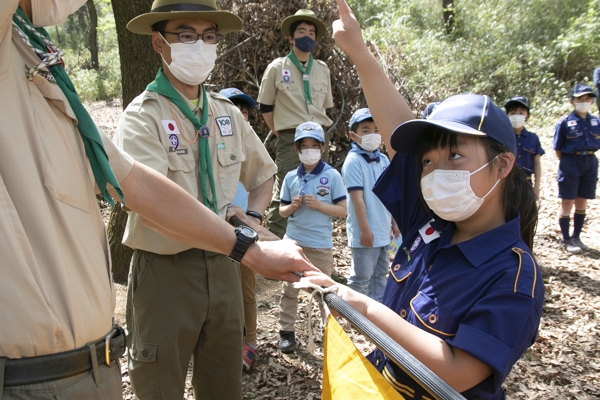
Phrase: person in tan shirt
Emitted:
{"points": [[294, 89], [56, 291]]}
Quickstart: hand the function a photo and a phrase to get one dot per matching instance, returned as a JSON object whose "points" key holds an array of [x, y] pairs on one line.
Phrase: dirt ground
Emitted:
{"points": [[563, 363]]}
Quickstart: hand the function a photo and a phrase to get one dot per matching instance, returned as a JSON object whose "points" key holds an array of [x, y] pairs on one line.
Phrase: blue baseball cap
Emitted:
{"points": [[518, 101], [309, 130], [359, 116], [467, 114], [234, 93], [580, 89], [429, 109]]}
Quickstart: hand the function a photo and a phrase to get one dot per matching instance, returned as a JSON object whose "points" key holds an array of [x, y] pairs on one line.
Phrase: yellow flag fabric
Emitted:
{"points": [[347, 374]]}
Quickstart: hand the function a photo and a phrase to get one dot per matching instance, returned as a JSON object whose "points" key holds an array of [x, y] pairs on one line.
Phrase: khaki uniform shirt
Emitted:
{"points": [[56, 291], [156, 133], [283, 87]]}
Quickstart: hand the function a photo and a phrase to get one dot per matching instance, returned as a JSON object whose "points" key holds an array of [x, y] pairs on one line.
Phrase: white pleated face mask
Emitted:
{"points": [[583, 107], [517, 121], [310, 156], [191, 63], [53, 12], [370, 141], [449, 194]]}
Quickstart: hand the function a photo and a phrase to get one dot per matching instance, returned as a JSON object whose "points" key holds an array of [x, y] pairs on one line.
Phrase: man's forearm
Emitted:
{"points": [[260, 197], [268, 117]]}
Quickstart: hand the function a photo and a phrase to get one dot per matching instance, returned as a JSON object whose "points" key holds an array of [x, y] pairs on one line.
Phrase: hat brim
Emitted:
{"points": [[579, 94], [309, 135], [244, 97], [518, 103], [406, 137], [287, 24], [226, 22], [360, 119]]}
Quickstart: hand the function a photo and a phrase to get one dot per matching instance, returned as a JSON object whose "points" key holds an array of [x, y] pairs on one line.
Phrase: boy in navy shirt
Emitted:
{"points": [[529, 149], [576, 139], [310, 196], [369, 223]]}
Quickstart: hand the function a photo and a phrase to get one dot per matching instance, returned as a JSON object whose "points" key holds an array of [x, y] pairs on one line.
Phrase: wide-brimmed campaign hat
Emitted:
{"points": [[165, 10], [466, 114], [304, 15]]}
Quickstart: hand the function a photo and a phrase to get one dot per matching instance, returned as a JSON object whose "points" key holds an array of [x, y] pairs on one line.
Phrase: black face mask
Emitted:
{"points": [[305, 44]]}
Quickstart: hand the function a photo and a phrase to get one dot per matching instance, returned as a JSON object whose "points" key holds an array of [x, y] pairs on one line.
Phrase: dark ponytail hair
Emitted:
{"points": [[518, 193]]}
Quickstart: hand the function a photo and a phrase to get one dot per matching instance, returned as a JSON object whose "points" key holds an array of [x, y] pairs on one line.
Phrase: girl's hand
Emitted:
{"points": [[355, 299], [346, 30], [296, 202], [312, 202]]}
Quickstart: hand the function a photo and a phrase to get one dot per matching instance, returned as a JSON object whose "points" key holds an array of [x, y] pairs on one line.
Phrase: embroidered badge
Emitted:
{"points": [[324, 181], [220, 146], [571, 123], [178, 151], [428, 233], [322, 192], [224, 124], [287, 75], [204, 131], [415, 244], [594, 122], [170, 127], [174, 141]]}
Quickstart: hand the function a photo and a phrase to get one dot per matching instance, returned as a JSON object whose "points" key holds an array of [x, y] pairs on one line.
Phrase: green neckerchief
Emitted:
{"points": [[305, 74], [94, 148], [162, 86]]}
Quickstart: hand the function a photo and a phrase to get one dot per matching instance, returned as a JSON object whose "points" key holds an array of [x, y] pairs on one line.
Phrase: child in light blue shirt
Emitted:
{"points": [[311, 196], [369, 224]]}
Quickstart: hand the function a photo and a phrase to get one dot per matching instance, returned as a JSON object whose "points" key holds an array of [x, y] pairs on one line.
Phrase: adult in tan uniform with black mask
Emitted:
{"points": [[56, 294], [294, 89]]}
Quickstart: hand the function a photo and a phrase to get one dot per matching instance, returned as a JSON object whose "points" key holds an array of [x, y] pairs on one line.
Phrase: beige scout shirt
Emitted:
{"points": [[158, 135], [282, 86], [55, 288]]}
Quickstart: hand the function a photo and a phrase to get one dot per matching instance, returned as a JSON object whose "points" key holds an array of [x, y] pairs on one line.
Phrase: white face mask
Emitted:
{"points": [[192, 63], [449, 194], [310, 156], [53, 12], [370, 141], [517, 121], [583, 107]]}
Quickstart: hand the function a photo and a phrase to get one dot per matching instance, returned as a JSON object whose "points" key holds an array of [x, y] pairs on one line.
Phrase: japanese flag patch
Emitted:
{"points": [[170, 126], [287, 75], [571, 123], [428, 233]]}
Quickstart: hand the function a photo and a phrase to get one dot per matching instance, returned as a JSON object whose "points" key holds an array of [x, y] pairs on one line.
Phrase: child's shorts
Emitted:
{"points": [[577, 176]]}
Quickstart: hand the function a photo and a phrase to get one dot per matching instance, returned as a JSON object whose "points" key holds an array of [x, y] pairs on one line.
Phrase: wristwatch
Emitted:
{"points": [[246, 236]]}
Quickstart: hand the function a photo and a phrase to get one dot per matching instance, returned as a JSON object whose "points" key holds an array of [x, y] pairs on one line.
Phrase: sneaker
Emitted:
{"points": [[287, 341], [248, 356], [578, 243], [570, 246]]}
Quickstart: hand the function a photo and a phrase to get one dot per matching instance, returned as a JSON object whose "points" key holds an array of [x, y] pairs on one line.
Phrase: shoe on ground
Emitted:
{"points": [[570, 246], [287, 341], [248, 356], [578, 243]]}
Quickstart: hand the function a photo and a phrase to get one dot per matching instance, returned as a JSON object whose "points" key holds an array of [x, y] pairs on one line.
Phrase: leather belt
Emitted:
{"points": [[583, 153], [31, 370]]}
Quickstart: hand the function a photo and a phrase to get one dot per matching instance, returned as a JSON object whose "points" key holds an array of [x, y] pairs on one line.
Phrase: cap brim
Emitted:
{"points": [[308, 135], [287, 23], [360, 119], [226, 22], [584, 93], [244, 97], [406, 137], [517, 102]]}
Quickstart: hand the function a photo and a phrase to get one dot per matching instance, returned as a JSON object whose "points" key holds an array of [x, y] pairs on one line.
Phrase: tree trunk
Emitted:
{"points": [[93, 38], [449, 15], [139, 63]]}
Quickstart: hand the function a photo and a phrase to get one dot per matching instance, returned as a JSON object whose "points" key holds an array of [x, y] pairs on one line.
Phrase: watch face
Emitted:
{"points": [[246, 231]]}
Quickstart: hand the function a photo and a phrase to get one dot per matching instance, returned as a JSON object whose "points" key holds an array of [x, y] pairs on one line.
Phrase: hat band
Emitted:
{"points": [[183, 7]]}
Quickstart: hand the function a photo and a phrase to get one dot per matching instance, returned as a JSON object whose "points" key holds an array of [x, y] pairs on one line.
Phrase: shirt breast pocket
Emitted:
{"points": [[318, 92], [529, 150], [181, 162], [291, 87], [432, 317], [573, 134], [230, 166]]}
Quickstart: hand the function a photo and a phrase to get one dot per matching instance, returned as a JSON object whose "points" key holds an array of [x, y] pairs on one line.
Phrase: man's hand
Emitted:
{"points": [[263, 233], [278, 260]]}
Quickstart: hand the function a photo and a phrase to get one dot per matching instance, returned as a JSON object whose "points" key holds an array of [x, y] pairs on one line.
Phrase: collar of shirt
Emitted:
{"points": [[524, 133], [367, 155], [578, 117], [318, 169]]}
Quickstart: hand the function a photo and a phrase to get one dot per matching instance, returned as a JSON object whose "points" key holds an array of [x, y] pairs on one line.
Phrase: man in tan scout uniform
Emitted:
{"points": [[56, 294], [200, 141], [294, 89]]}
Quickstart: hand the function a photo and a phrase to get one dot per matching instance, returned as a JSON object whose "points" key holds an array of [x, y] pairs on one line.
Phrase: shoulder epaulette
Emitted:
{"points": [[527, 273]]}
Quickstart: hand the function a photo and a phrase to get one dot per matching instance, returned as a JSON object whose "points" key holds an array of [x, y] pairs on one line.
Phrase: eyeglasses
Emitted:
{"points": [[192, 37]]}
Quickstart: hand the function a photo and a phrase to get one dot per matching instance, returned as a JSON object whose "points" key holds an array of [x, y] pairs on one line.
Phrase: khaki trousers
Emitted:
{"points": [[181, 306], [322, 259], [250, 310]]}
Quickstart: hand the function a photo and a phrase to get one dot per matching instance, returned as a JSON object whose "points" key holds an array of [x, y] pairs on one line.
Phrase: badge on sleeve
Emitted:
{"points": [[287, 75], [170, 126], [594, 122], [224, 124], [428, 233]]}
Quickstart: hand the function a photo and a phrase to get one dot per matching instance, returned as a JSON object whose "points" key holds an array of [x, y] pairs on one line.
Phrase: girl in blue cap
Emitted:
{"points": [[464, 294]]}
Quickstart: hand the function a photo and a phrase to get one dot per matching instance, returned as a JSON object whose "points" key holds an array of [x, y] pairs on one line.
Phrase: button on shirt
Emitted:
{"points": [[56, 291], [159, 135], [283, 87], [483, 296], [528, 146], [308, 227], [361, 173], [574, 133]]}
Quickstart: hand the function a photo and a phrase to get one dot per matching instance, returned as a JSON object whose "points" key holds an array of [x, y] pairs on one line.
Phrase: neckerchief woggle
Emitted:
{"points": [[305, 74], [162, 86], [94, 149]]}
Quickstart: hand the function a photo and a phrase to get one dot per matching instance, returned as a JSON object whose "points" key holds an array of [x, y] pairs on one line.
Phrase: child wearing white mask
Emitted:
{"points": [[529, 149], [369, 226], [311, 196]]}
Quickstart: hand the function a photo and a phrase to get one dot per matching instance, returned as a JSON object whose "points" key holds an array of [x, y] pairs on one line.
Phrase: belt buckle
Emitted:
{"points": [[107, 345]]}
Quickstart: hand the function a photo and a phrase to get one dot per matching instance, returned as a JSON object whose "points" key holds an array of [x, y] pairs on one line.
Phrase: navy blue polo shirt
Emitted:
{"points": [[528, 146], [483, 296], [574, 133]]}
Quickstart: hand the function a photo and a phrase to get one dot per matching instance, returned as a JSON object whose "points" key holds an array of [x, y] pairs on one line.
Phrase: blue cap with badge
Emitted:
{"points": [[467, 114], [234, 93], [521, 101], [359, 116], [580, 89], [429, 109], [309, 130]]}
